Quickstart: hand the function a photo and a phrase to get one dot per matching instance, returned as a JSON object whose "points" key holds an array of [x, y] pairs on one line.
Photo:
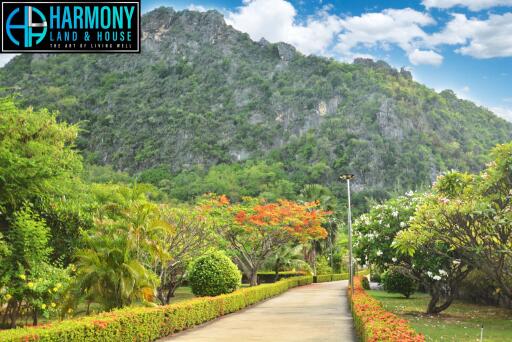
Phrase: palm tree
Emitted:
{"points": [[286, 258], [109, 273]]}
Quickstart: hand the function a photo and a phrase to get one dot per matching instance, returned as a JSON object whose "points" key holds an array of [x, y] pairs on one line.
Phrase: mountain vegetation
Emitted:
{"points": [[205, 108]]}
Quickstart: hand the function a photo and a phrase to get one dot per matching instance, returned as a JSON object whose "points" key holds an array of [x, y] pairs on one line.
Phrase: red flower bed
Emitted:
{"points": [[374, 324]]}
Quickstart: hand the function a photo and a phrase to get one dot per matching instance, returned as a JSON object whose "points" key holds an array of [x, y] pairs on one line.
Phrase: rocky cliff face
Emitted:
{"points": [[202, 93]]}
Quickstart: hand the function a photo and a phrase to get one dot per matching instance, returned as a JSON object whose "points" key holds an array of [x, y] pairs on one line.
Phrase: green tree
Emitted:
{"points": [[185, 236], [108, 273], [28, 279], [39, 166]]}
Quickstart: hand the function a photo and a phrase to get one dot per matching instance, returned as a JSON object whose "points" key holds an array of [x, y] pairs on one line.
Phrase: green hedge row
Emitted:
{"points": [[322, 278], [149, 324]]}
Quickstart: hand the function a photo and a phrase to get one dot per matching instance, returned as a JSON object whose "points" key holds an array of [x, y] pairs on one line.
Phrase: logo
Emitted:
{"points": [[29, 29], [70, 26]]}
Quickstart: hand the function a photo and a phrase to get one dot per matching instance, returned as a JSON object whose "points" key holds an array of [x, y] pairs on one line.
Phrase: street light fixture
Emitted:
{"points": [[348, 177]]}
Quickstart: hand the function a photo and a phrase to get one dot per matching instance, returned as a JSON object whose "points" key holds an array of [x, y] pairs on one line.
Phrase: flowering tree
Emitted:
{"points": [[434, 260], [390, 235], [254, 229], [374, 231], [471, 216]]}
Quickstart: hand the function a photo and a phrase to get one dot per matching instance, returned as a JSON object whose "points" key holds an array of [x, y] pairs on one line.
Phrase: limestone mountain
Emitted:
{"points": [[202, 93]]}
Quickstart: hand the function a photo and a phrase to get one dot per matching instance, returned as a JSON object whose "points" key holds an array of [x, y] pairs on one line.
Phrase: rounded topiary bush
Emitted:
{"points": [[395, 281], [213, 274]]}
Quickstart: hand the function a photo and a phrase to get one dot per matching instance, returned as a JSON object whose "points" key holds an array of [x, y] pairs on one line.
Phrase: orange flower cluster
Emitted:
{"points": [[304, 221], [374, 324]]}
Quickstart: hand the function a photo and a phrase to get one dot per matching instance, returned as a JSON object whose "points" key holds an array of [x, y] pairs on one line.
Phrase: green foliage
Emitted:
{"points": [[264, 179], [28, 279], [149, 324], [105, 174], [36, 155], [108, 273], [322, 265], [40, 167], [111, 268], [395, 281], [214, 274]]}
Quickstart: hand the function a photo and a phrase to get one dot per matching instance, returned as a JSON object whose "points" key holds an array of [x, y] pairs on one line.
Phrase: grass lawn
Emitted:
{"points": [[460, 322], [185, 292], [182, 293]]}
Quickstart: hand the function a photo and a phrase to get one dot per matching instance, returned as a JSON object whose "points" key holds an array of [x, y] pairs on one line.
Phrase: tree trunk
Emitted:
{"points": [[253, 278], [14, 314], [433, 308], [34, 317]]}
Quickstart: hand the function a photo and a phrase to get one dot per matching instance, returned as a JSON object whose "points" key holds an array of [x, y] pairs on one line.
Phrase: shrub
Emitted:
{"points": [[374, 324], [322, 278], [395, 281], [339, 276], [365, 283], [213, 274], [322, 266], [149, 324], [376, 277]]}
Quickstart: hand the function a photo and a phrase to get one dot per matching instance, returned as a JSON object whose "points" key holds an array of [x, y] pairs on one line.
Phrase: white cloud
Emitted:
{"points": [[477, 38], [474, 5], [5, 58], [505, 113], [345, 37], [401, 27], [276, 21], [489, 38], [197, 8], [425, 57]]}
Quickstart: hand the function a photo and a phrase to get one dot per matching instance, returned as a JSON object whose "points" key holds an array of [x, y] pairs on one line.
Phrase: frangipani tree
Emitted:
{"points": [[472, 216], [389, 236], [375, 231], [254, 229]]}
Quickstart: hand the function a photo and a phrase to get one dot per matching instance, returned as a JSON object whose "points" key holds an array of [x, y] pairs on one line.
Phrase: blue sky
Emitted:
{"points": [[464, 45]]}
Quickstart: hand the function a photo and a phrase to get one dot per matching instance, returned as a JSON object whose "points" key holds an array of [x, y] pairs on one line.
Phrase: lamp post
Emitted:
{"points": [[349, 177]]}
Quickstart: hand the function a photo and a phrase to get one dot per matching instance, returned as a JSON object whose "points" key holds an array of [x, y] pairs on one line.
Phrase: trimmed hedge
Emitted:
{"points": [[322, 278], [374, 324], [149, 324], [270, 277]]}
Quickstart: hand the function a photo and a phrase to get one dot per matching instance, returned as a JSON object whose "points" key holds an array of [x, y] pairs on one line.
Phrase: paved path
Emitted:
{"points": [[316, 312]]}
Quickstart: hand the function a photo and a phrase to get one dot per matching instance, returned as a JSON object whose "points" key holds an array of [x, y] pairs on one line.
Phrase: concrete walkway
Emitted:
{"points": [[316, 312]]}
